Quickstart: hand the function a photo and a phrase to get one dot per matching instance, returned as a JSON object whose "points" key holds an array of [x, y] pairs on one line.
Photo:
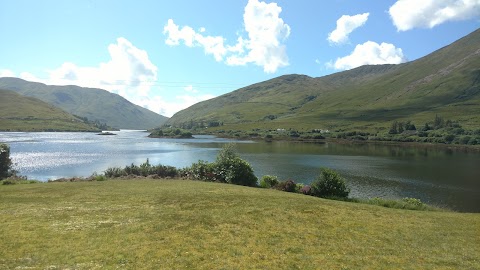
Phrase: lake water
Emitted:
{"points": [[437, 176]]}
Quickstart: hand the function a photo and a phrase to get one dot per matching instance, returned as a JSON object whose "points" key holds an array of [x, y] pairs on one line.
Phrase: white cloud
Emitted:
{"points": [[409, 14], [370, 53], [345, 25], [190, 89], [6, 73], [129, 73], [169, 108], [264, 46]]}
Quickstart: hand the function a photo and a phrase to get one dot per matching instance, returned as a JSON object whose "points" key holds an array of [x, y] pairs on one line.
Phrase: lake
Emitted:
{"points": [[437, 176]]}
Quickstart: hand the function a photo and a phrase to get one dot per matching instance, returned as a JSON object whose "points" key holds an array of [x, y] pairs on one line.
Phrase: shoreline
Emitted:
{"points": [[453, 147]]}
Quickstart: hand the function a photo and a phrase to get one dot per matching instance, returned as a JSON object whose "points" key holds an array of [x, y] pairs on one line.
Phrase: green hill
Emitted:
{"points": [[445, 82], [21, 113], [180, 224], [94, 104]]}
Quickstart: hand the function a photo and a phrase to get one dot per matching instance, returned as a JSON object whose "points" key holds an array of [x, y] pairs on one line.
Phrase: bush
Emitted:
{"points": [[145, 169], [329, 184], [98, 177], [449, 138], [288, 186], [237, 171], [5, 162], [202, 171], [114, 172], [166, 171], [15, 179], [306, 190], [268, 181], [230, 168]]}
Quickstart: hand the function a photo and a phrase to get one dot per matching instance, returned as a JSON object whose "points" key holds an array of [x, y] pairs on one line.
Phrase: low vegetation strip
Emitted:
{"points": [[181, 224]]}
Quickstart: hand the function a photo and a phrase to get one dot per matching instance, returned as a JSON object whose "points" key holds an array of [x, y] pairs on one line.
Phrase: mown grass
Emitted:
{"points": [[180, 224]]}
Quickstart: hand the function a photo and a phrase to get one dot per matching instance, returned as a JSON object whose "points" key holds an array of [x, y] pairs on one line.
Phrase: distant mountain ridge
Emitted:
{"points": [[445, 82], [94, 104], [22, 113]]}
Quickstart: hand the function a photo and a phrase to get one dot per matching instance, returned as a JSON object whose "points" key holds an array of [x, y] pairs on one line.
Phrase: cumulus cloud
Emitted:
{"points": [[370, 53], [211, 44], [410, 14], [6, 73], [129, 72], [264, 45], [345, 25]]}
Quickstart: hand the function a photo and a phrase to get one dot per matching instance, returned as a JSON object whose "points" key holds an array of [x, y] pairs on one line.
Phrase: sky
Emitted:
{"points": [[168, 55]]}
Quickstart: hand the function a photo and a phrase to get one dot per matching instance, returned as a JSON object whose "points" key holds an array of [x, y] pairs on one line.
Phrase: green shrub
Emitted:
{"points": [[15, 179], [145, 169], [299, 187], [236, 171], [449, 138], [5, 162], [329, 184], [165, 171], [114, 172], [202, 170], [98, 177], [268, 181], [230, 168]]}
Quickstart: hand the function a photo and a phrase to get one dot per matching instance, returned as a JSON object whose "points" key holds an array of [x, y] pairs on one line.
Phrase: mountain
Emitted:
{"points": [[94, 104], [21, 113], [445, 82]]}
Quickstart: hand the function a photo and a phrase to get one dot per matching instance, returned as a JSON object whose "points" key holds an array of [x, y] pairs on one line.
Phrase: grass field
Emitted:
{"points": [[180, 224]]}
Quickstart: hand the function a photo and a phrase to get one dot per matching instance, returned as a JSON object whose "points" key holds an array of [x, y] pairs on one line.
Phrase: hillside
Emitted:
{"points": [[94, 104], [445, 82], [180, 224], [21, 113]]}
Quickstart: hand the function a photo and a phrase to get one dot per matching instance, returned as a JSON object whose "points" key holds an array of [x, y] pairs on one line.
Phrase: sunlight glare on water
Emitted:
{"points": [[437, 176]]}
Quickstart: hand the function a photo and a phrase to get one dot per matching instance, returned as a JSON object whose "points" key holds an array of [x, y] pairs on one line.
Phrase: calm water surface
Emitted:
{"points": [[437, 176]]}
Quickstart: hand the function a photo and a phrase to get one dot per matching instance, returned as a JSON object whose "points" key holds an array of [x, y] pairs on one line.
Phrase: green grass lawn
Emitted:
{"points": [[179, 224]]}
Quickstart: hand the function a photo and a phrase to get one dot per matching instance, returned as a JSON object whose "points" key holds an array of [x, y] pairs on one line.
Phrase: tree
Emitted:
{"points": [[5, 161], [329, 184], [410, 126], [394, 128], [400, 127], [439, 122]]}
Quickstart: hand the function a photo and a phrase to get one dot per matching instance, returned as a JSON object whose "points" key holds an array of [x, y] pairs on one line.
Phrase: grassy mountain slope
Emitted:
{"points": [[95, 104], [446, 82], [21, 113]]}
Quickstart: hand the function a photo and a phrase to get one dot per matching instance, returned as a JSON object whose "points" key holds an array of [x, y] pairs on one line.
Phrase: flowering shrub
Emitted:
{"points": [[288, 186]]}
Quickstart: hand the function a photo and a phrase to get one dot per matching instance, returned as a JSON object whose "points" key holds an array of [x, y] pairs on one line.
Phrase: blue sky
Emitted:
{"points": [[168, 55]]}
